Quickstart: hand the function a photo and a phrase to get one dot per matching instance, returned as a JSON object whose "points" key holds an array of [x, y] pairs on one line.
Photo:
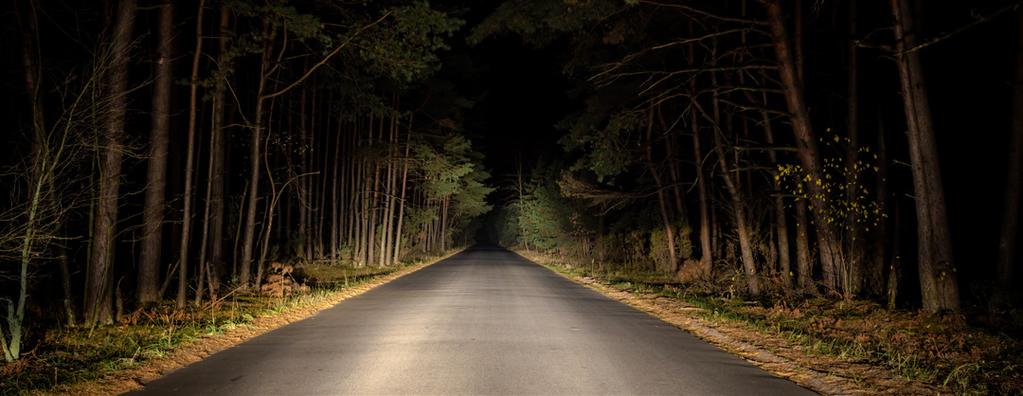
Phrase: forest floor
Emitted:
{"points": [[147, 343], [832, 347]]}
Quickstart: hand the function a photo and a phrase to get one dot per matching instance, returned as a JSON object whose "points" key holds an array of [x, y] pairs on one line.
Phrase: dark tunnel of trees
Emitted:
{"points": [[171, 153]]}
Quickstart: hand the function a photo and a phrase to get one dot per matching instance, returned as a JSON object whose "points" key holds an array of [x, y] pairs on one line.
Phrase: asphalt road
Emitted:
{"points": [[485, 321]]}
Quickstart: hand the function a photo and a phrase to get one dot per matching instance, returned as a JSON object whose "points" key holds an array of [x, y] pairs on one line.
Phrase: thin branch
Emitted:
{"points": [[692, 10], [326, 58], [982, 19]]}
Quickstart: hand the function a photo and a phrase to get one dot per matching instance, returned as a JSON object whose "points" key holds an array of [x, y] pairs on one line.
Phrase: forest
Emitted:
{"points": [[165, 162]]}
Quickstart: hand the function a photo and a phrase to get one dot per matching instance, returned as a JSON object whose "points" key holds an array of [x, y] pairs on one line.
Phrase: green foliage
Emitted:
{"points": [[447, 167], [404, 48], [443, 168], [543, 217], [604, 141], [541, 21], [471, 199], [658, 250]]}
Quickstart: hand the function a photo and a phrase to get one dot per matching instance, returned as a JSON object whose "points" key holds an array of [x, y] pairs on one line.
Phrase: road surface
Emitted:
{"points": [[485, 321]]}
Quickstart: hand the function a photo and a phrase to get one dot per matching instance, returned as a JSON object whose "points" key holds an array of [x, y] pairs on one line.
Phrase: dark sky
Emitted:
{"points": [[520, 95]]}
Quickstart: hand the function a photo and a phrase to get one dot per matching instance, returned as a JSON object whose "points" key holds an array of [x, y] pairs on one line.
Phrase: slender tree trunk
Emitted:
{"points": [[856, 255], [374, 204], [731, 177], [204, 239], [193, 111], [803, 260], [39, 183], [248, 241], [99, 295], [322, 178], [669, 231], [401, 201], [353, 196], [217, 145], [895, 268], [938, 280], [156, 180], [362, 200], [828, 244], [385, 240], [706, 248], [443, 234], [302, 187], [335, 177], [875, 271], [780, 220], [1010, 224], [673, 168], [64, 263], [272, 198]]}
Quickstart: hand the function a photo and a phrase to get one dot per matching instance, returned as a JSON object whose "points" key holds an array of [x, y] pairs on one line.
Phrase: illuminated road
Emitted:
{"points": [[482, 322]]}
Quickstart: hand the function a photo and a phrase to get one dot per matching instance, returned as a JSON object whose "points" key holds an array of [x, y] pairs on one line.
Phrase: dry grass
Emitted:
{"points": [[832, 347]]}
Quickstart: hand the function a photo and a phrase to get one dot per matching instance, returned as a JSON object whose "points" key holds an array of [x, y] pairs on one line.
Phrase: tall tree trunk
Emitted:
{"points": [[938, 280], [895, 268], [39, 184], [203, 264], [803, 259], [362, 198], [669, 231], [855, 267], [401, 200], [99, 295], [828, 244], [875, 270], [385, 240], [730, 175], [706, 248], [255, 152], [374, 203], [443, 234], [780, 220], [218, 139], [673, 168], [193, 111], [302, 187], [322, 178], [1010, 224], [156, 179], [335, 178]]}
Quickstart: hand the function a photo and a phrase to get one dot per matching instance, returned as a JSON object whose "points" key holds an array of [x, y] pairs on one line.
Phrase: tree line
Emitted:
{"points": [[757, 143], [175, 149]]}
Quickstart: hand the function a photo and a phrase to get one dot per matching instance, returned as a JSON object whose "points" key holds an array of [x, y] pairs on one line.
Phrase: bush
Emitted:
{"points": [[658, 250]]}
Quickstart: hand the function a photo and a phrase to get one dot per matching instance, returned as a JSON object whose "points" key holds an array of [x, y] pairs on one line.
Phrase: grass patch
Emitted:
{"points": [[942, 351]]}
